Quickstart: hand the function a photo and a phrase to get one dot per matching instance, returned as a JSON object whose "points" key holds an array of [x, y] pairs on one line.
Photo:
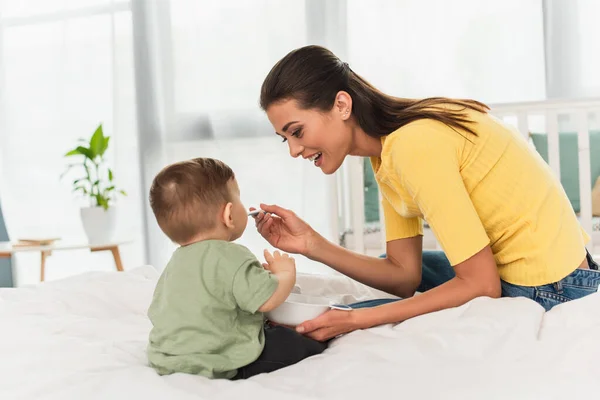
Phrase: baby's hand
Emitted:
{"points": [[278, 263], [284, 269]]}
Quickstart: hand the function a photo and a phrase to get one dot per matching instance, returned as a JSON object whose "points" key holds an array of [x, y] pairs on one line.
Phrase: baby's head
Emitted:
{"points": [[198, 199]]}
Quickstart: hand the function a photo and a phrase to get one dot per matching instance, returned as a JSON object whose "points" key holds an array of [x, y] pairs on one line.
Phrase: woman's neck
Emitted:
{"points": [[364, 145]]}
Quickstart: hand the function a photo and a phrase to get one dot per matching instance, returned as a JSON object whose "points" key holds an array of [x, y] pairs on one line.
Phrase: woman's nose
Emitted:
{"points": [[295, 149]]}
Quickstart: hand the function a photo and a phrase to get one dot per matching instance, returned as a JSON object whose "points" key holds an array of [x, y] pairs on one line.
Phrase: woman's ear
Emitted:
{"points": [[227, 216], [343, 104]]}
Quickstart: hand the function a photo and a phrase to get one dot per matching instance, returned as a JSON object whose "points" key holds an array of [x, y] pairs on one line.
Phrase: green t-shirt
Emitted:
{"points": [[204, 310]]}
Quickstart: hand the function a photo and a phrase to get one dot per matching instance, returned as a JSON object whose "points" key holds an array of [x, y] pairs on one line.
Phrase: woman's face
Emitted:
{"points": [[323, 138]]}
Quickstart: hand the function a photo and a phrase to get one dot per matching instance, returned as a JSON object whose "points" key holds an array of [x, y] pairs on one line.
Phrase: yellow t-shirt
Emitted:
{"points": [[478, 190]]}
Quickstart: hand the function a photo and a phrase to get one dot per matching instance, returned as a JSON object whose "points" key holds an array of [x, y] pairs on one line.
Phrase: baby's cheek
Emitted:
{"points": [[244, 218]]}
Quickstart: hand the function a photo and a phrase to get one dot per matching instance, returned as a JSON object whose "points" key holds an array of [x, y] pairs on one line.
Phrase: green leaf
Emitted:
{"points": [[86, 152], [74, 152], [102, 201], [82, 188], [104, 145], [106, 192], [123, 192], [97, 142], [110, 175]]}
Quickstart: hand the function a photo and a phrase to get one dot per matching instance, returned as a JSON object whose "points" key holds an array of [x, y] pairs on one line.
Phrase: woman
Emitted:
{"points": [[504, 222]]}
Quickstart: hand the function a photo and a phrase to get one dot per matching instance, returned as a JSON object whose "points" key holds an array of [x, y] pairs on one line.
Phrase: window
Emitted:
{"points": [[65, 66]]}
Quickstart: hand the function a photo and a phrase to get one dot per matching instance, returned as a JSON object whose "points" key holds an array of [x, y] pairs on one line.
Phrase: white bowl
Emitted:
{"points": [[298, 308]]}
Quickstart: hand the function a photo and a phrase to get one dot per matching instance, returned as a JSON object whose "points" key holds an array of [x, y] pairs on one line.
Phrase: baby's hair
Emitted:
{"points": [[187, 196]]}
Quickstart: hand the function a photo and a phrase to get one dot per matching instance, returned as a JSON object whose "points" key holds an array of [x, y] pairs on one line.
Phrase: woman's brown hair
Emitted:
{"points": [[313, 76]]}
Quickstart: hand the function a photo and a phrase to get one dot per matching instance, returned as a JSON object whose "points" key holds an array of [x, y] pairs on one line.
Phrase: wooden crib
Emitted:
{"points": [[558, 129]]}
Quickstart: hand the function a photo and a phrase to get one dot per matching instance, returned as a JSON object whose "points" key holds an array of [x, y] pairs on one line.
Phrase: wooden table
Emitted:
{"points": [[8, 249]]}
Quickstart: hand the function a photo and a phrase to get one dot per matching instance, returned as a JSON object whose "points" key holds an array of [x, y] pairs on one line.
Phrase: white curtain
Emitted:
{"points": [[208, 61], [66, 66], [572, 48], [492, 51]]}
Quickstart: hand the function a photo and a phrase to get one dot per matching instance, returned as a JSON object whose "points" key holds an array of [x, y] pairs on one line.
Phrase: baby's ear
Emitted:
{"points": [[227, 216]]}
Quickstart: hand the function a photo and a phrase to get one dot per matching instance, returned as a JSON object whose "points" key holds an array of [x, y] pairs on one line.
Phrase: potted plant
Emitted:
{"points": [[96, 186]]}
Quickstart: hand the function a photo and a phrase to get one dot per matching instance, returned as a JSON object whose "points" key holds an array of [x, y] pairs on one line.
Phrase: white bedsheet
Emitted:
{"points": [[85, 338]]}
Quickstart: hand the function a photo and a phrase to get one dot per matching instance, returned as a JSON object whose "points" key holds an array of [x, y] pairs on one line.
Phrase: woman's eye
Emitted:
{"points": [[297, 133]]}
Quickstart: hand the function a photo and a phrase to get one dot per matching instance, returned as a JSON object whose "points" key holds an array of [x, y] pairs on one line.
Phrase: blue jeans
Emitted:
{"points": [[578, 284]]}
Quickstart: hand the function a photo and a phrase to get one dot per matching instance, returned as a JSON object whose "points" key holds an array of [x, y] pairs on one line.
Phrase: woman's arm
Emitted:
{"points": [[398, 274], [475, 277]]}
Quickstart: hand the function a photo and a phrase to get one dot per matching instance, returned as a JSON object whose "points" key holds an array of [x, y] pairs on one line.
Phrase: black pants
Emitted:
{"points": [[283, 347]]}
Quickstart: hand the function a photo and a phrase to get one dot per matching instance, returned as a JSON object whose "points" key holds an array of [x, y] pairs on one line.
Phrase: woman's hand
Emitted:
{"points": [[285, 230], [330, 324]]}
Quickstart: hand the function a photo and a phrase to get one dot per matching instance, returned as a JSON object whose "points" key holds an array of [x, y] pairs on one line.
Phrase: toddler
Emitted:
{"points": [[208, 305]]}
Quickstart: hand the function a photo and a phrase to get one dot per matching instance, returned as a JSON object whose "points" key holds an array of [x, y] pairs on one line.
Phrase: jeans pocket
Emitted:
{"points": [[578, 284]]}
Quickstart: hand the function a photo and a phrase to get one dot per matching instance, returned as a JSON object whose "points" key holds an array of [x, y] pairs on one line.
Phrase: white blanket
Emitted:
{"points": [[85, 338]]}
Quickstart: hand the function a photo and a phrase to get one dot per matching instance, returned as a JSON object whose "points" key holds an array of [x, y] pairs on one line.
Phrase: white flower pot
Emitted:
{"points": [[99, 224]]}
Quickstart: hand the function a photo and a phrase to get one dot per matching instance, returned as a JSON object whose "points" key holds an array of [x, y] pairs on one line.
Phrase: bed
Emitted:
{"points": [[84, 338]]}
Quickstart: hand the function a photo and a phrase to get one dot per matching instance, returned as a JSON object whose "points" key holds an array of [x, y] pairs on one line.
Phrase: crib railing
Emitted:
{"points": [[348, 199]]}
